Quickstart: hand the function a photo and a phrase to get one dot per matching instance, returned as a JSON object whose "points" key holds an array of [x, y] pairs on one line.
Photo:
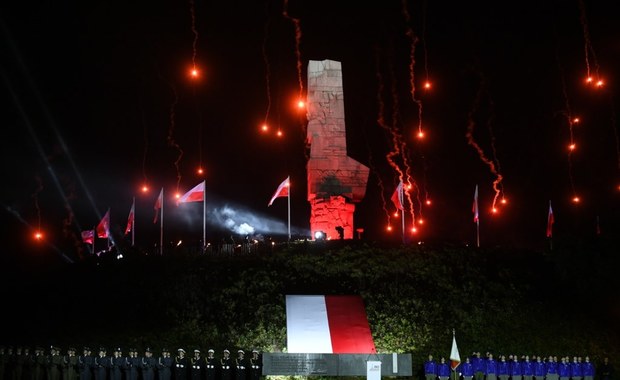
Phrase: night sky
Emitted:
{"points": [[97, 100]]}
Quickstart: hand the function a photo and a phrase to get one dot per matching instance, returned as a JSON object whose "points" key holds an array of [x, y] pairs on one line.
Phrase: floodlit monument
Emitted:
{"points": [[336, 182]]}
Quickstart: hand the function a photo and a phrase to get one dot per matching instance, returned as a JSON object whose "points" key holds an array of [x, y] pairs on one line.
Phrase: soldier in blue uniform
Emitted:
{"points": [[540, 369], [164, 365], [502, 368], [101, 365], [85, 364], [478, 364], [443, 369], [576, 371], [148, 365], [117, 362], [131, 364], [430, 368], [516, 368], [588, 369], [467, 369], [490, 368]]}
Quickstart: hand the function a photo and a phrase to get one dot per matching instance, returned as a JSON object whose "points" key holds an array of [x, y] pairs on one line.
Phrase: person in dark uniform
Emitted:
{"points": [[196, 367], [116, 364], [210, 365], [101, 365], [18, 364], [85, 364], [240, 366], [29, 364], [180, 365], [256, 366], [148, 365], [70, 365], [4, 358], [164, 365], [131, 365], [226, 366], [54, 364], [39, 359]]}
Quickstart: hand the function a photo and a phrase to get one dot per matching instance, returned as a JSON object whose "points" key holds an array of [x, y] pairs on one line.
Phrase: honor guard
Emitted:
{"points": [[101, 365], [131, 365], [38, 371], [70, 365], [164, 365], [180, 365], [54, 364], [197, 364], [256, 366], [148, 365], [226, 366], [210, 365], [85, 364], [240, 366], [117, 362]]}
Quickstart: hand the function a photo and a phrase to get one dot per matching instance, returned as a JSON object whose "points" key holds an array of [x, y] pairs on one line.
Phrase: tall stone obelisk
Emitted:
{"points": [[335, 181]]}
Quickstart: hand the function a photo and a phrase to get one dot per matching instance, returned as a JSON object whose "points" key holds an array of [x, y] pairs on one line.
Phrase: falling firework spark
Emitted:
{"points": [[195, 32], [413, 42], [170, 138], [588, 48], [570, 121], [267, 70], [471, 124], [146, 148], [35, 197], [297, 25]]}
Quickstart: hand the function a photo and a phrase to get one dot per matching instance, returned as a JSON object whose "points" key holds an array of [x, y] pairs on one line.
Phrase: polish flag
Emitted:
{"points": [[130, 218], [282, 190], [103, 228], [197, 194], [88, 237], [474, 208], [397, 197], [550, 220], [327, 325], [158, 204], [455, 358]]}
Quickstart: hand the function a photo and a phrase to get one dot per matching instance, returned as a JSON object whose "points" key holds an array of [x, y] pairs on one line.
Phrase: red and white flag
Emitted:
{"points": [[474, 208], [197, 194], [455, 358], [327, 324], [550, 221], [103, 228], [130, 218], [397, 197], [283, 190], [88, 237], [158, 204]]}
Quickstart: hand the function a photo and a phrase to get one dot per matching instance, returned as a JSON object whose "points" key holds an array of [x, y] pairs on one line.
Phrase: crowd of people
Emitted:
{"points": [[513, 367], [21, 364]]}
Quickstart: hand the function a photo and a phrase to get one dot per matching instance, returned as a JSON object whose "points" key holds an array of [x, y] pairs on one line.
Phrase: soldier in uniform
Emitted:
{"points": [[148, 365], [54, 364], [116, 365], [164, 365], [240, 366], [70, 367], [197, 364], [38, 366], [85, 364], [226, 366], [131, 365], [256, 366], [180, 365], [3, 361], [18, 364], [101, 365], [210, 365]]}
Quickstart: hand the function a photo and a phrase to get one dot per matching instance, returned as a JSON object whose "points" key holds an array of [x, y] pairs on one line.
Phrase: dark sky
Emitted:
{"points": [[97, 100]]}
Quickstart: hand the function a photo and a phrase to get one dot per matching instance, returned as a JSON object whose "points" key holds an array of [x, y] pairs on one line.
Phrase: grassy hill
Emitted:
{"points": [[560, 302]]}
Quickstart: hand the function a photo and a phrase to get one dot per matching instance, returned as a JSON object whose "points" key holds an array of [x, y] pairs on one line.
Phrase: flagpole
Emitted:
{"points": [[133, 223], [401, 197], [204, 216], [161, 225], [289, 208]]}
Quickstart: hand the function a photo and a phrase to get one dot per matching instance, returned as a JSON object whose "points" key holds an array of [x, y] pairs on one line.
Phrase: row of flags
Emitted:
{"points": [[196, 194]]}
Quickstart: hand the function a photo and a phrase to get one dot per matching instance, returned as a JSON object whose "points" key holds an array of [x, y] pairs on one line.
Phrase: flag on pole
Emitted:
{"points": [[158, 204], [282, 191], [197, 194], [474, 208], [88, 237], [455, 358], [397, 197], [103, 228], [130, 218], [550, 221]]}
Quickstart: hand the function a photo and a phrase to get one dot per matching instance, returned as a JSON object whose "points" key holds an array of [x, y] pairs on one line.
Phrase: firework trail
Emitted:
{"points": [[35, 197], [297, 25], [570, 121], [267, 69], [413, 41], [471, 124], [146, 145], [195, 32], [588, 48], [170, 138]]}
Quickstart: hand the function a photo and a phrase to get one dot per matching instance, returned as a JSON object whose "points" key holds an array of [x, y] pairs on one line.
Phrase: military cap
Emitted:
{"points": [[211, 350], [71, 349], [241, 352], [102, 349], [197, 350], [255, 351], [86, 348], [226, 351], [181, 350], [165, 350], [148, 349]]}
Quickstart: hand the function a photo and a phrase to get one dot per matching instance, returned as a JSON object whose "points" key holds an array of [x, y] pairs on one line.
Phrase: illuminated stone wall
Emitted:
{"points": [[335, 181]]}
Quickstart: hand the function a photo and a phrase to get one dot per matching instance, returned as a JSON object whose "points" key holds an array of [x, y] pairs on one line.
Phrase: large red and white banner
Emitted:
{"points": [[327, 325]]}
